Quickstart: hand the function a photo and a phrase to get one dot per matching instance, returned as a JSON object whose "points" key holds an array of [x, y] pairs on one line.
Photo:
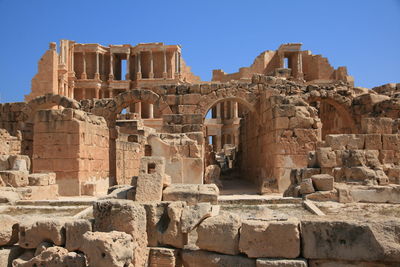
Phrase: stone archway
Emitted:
{"points": [[335, 114]]}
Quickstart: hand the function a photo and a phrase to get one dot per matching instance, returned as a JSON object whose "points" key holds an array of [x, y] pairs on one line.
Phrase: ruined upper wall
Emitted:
{"points": [[291, 62], [85, 71]]}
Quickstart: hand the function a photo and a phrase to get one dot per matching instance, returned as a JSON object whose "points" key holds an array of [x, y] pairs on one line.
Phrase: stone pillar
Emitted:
{"points": [[83, 93], [300, 66], [102, 66], [127, 76], [139, 67], [179, 62], [151, 111], [235, 109], [97, 74], [111, 93], [226, 110], [72, 63], [219, 111], [111, 75], [165, 73], [84, 76], [97, 93], [138, 108], [236, 140], [218, 142], [176, 64], [151, 74]]}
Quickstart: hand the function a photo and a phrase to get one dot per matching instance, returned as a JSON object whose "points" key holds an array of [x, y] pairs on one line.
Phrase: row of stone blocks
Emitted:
{"points": [[127, 233]]}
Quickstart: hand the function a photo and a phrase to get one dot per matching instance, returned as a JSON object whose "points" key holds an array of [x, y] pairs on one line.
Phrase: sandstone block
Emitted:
{"points": [[74, 231], [220, 234], [15, 178], [172, 234], [322, 182], [281, 263], [108, 249], [199, 258], [351, 240], [212, 174], [124, 216], [8, 230], [335, 263], [4, 164], [54, 256], [272, 239], [306, 187], [391, 142], [191, 193], [394, 175], [32, 233], [376, 125], [163, 257], [373, 141], [150, 181], [359, 173], [194, 215], [19, 162], [326, 158], [42, 179], [157, 221]]}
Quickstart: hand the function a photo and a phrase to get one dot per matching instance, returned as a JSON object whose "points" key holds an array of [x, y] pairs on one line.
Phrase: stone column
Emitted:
{"points": [[139, 67], [300, 66], [235, 109], [97, 74], [179, 62], [127, 76], [111, 75], [72, 62], [84, 76], [165, 73], [83, 93], [226, 110], [151, 74], [111, 93], [138, 108], [151, 111], [218, 142], [219, 111], [176, 64], [97, 91], [102, 66]]}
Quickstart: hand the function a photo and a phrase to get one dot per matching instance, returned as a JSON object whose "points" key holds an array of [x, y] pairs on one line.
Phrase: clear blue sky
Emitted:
{"points": [[363, 35]]}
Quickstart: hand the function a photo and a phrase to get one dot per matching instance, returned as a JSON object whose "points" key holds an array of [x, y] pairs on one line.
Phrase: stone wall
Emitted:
{"points": [[128, 154], [176, 233], [74, 145]]}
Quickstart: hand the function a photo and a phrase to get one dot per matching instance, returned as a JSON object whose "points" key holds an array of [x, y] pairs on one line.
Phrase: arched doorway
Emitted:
{"points": [[225, 143]]}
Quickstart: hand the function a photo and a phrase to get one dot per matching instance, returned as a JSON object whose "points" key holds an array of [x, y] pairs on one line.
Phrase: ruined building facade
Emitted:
{"points": [[95, 111]]}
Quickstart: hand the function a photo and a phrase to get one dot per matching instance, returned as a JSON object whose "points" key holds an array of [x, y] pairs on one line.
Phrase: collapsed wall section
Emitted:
{"points": [[75, 145]]}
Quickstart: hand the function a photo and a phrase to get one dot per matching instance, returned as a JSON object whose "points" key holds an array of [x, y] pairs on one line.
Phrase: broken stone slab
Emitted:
{"points": [[326, 158], [15, 178], [42, 179], [194, 215], [281, 263], [74, 231], [157, 221], [198, 258], [23, 259], [9, 195], [375, 194], [8, 230], [108, 249], [322, 182], [352, 240], [150, 182], [191, 193], [270, 239], [306, 187], [124, 216], [4, 164], [54, 256], [32, 233], [212, 174], [220, 234], [165, 257]]}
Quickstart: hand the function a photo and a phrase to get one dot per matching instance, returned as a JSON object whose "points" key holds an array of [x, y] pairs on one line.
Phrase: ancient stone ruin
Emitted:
{"points": [[121, 156]]}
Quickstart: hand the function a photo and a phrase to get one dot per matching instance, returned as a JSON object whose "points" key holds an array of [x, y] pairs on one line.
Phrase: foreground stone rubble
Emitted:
{"points": [[153, 149]]}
